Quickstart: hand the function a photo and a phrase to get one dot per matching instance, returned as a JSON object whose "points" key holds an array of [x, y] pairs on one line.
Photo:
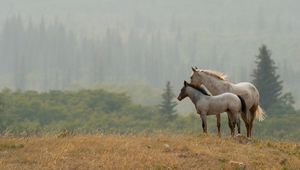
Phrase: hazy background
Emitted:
{"points": [[138, 45]]}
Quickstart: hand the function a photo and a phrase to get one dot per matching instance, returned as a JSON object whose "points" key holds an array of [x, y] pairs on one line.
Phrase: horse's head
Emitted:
{"points": [[183, 94], [196, 77]]}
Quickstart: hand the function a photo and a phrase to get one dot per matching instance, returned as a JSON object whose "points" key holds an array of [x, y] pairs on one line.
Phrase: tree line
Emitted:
{"points": [[45, 55], [84, 111], [99, 111]]}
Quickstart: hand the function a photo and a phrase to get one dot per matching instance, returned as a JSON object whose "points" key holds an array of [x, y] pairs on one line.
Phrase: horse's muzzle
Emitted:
{"points": [[179, 98]]}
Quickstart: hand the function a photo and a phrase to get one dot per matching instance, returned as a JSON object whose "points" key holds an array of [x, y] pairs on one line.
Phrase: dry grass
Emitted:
{"points": [[155, 151]]}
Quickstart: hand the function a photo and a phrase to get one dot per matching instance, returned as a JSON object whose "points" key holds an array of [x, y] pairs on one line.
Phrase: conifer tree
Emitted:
{"points": [[167, 107], [266, 80]]}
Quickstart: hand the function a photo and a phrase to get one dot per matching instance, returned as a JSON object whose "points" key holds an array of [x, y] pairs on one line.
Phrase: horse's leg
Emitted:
{"points": [[251, 123], [230, 122], [238, 122], [247, 127], [244, 117], [252, 112], [233, 125], [250, 128], [219, 124], [204, 123]]}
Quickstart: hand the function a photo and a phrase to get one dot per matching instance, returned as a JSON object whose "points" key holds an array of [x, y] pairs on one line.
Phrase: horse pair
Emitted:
{"points": [[235, 99]]}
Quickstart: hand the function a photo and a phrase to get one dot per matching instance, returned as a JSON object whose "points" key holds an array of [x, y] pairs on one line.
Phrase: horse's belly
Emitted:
{"points": [[217, 109], [214, 113]]}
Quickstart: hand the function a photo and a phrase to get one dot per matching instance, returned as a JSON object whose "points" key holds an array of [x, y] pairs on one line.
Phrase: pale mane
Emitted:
{"points": [[216, 74]]}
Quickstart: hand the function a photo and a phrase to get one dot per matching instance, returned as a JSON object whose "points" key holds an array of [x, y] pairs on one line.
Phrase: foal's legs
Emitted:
{"points": [[230, 122], [219, 124], [234, 122], [237, 122], [204, 123]]}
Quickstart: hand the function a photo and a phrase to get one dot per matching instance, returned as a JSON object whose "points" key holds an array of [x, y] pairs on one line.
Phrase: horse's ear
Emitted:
{"points": [[194, 69], [185, 83]]}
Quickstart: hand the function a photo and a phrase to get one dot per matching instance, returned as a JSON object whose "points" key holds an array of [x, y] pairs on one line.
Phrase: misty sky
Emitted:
{"points": [[228, 31]]}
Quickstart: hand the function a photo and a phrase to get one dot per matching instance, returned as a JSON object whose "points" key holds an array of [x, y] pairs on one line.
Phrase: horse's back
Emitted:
{"points": [[246, 85], [226, 101], [247, 91]]}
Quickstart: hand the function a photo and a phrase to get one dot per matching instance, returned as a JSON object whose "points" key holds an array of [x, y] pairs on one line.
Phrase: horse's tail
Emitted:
{"points": [[243, 104], [260, 114]]}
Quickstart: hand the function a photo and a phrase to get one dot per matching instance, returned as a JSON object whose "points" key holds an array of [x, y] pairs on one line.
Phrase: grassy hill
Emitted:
{"points": [[146, 151], [141, 93]]}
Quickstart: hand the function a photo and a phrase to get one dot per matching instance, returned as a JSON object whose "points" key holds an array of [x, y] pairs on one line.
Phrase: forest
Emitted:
{"points": [[99, 111]]}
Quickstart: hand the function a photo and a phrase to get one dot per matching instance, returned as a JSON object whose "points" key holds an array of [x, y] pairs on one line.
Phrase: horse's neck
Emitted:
{"points": [[216, 86], [194, 94]]}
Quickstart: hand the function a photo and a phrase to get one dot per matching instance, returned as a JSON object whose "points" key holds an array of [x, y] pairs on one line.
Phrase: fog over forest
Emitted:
{"points": [[65, 44]]}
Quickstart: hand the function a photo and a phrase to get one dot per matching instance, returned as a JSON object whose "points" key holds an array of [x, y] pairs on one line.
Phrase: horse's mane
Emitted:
{"points": [[216, 74], [200, 89]]}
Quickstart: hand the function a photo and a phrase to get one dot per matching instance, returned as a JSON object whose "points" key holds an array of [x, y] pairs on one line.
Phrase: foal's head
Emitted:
{"points": [[183, 94]]}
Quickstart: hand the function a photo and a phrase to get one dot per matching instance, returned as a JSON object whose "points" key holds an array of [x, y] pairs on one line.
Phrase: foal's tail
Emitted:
{"points": [[260, 114], [243, 103]]}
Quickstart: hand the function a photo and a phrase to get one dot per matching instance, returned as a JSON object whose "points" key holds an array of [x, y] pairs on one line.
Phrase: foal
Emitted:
{"points": [[213, 105]]}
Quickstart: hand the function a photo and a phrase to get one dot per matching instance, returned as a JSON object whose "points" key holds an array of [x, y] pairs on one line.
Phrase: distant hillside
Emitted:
{"points": [[90, 111], [147, 151], [141, 93]]}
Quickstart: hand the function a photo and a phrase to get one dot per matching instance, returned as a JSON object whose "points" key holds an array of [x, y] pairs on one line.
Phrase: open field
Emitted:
{"points": [[148, 151]]}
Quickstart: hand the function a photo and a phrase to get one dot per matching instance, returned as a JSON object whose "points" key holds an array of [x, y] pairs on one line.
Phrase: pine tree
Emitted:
{"points": [[167, 107], [266, 80]]}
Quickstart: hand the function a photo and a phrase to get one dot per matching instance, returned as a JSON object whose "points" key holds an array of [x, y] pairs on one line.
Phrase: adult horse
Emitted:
{"points": [[216, 83]]}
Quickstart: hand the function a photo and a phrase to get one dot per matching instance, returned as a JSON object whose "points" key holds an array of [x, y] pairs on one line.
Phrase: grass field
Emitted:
{"points": [[146, 151]]}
